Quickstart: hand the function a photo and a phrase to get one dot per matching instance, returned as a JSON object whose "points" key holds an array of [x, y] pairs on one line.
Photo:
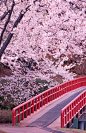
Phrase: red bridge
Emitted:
{"points": [[68, 109]]}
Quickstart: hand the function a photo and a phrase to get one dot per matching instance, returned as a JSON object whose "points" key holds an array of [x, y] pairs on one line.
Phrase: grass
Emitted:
{"points": [[2, 131], [17, 124], [73, 130]]}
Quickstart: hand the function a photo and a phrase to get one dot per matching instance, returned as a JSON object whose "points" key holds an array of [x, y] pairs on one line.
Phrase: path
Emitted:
{"points": [[45, 120]]}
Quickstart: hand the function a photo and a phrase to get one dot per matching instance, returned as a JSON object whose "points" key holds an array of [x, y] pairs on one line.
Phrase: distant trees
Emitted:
{"points": [[7, 24]]}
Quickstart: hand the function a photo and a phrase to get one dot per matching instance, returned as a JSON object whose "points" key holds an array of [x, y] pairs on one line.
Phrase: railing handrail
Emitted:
{"points": [[45, 97], [67, 114], [73, 100]]}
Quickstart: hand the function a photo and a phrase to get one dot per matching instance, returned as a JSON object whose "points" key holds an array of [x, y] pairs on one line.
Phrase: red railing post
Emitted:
{"points": [[59, 90], [79, 103], [76, 84], [70, 85], [39, 102], [23, 112], [85, 97], [29, 107], [70, 110], [32, 106], [18, 114], [53, 93], [62, 118], [73, 84], [68, 113], [13, 117], [36, 104], [67, 86], [46, 97], [56, 93], [66, 116], [26, 111], [62, 89], [49, 96]]}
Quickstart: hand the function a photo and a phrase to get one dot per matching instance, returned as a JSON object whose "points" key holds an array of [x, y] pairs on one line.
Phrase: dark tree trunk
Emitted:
{"points": [[5, 44], [8, 19]]}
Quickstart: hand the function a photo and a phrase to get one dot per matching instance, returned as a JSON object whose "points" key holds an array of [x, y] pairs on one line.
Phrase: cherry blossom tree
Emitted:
{"points": [[51, 33]]}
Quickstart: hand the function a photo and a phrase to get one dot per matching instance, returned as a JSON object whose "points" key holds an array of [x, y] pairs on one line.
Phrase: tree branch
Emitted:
{"points": [[11, 34], [21, 16], [4, 15], [8, 19], [5, 44]]}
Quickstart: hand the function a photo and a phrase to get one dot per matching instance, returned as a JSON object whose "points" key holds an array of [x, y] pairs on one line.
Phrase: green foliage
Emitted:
{"points": [[43, 84], [1, 98], [41, 89], [3, 81], [41, 81]]}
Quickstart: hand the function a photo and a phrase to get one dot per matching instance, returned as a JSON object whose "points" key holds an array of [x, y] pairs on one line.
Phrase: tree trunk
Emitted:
{"points": [[11, 34], [5, 44]]}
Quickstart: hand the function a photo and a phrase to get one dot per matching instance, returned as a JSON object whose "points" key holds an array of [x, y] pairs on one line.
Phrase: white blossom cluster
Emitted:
{"points": [[17, 90]]}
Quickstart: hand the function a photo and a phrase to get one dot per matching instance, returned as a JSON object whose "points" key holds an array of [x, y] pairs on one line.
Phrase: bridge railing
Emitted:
{"points": [[23, 110], [70, 110]]}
